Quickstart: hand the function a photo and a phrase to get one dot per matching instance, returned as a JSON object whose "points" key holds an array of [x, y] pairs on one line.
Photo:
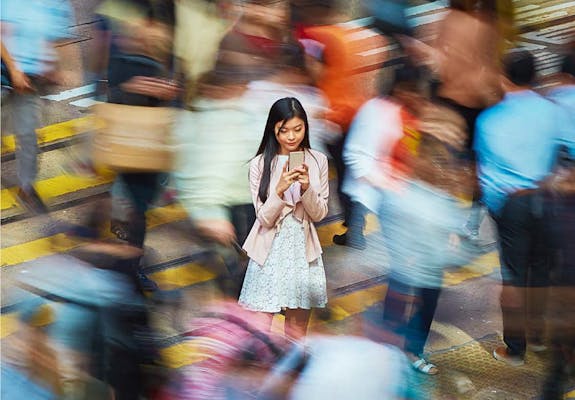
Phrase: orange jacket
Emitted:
{"points": [[348, 78]]}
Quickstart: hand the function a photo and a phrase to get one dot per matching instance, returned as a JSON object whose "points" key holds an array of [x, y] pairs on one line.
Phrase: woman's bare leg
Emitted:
{"points": [[296, 322]]}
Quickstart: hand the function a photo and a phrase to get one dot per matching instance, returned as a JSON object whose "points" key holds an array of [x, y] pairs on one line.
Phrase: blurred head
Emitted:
{"points": [[406, 86], [286, 130], [519, 67]]}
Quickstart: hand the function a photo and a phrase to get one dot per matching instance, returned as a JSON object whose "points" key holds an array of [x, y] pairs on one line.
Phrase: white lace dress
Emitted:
{"points": [[286, 280]]}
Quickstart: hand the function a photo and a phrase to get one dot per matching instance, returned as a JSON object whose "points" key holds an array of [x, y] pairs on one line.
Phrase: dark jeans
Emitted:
{"points": [[560, 231], [143, 188], [414, 327], [356, 224], [524, 268], [336, 152], [243, 218], [231, 279]]}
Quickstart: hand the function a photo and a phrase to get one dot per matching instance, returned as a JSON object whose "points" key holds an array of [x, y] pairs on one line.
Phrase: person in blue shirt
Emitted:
{"points": [[559, 206], [563, 94], [516, 144], [29, 37]]}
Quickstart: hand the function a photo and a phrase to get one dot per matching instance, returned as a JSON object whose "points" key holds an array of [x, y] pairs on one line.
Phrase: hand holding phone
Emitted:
{"points": [[287, 179]]}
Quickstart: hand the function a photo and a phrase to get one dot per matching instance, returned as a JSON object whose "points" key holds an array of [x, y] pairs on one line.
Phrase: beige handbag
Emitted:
{"points": [[133, 138]]}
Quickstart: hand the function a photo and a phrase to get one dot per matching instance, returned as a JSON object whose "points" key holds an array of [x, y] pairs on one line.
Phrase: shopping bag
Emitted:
{"points": [[133, 138]]}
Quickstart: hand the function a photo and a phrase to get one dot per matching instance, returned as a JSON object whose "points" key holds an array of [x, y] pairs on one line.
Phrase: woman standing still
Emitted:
{"points": [[285, 268]]}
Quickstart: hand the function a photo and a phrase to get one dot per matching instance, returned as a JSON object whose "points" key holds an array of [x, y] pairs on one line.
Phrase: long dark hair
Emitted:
{"points": [[282, 110]]}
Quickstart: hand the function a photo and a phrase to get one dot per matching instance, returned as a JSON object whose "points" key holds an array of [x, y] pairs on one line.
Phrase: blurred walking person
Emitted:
{"points": [[559, 211], [286, 268], [345, 77], [516, 144], [422, 182], [30, 36], [139, 75]]}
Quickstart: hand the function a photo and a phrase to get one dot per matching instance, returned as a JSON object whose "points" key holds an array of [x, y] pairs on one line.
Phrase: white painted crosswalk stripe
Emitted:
{"points": [[71, 93], [87, 102]]}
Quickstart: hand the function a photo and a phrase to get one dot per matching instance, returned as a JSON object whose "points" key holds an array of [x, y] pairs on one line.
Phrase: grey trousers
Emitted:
{"points": [[23, 113]]}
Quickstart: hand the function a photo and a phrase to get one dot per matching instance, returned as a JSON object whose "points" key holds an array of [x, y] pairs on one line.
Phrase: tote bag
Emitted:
{"points": [[134, 138]]}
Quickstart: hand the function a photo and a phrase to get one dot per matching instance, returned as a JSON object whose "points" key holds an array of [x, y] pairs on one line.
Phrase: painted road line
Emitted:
{"points": [[425, 8], [54, 187], [67, 184], [8, 324], [177, 276], [523, 16], [28, 251], [482, 266], [326, 232], [428, 19], [182, 276], [71, 93], [52, 133], [188, 274], [353, 303], [85, 103]]}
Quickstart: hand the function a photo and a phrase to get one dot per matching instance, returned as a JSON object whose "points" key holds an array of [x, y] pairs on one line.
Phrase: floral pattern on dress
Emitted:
{"points": [[286, 280]]}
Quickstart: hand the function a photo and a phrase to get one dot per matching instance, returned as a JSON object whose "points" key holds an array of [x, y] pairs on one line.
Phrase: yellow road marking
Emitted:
{"points": [[8, 324], [54, 132], [326, 232], [482, 266], [354, 303], [570, 395], [181, 276], [181, 354], [54, 187], [59, 243]]}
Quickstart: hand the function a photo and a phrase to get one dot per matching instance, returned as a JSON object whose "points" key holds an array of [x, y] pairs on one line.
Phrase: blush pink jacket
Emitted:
{"points": [[269, 215]]}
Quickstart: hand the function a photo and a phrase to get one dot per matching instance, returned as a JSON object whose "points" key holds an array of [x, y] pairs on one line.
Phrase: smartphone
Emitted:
{"points": [[296, 159]]}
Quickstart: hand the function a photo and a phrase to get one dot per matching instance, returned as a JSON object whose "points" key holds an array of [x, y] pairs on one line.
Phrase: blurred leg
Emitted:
{"points": [[514, 228], [336, 151], [25, 109], [395, 306], [296, 322], [420, 322], [142, 188]]}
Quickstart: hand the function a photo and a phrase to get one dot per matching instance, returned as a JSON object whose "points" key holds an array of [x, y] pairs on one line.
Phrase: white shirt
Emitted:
{"points": [[372, 135]]}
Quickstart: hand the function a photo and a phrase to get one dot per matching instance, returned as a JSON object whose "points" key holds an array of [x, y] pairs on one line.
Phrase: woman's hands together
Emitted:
{"points": [[303, 177], [299, 174]]}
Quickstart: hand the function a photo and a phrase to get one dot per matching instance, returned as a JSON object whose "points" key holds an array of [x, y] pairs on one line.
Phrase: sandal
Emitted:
{"points": [[425, 367]]}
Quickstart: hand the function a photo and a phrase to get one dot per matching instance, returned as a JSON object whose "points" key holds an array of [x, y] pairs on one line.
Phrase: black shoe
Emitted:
{"points": [[342, 240], [30, 199]]}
